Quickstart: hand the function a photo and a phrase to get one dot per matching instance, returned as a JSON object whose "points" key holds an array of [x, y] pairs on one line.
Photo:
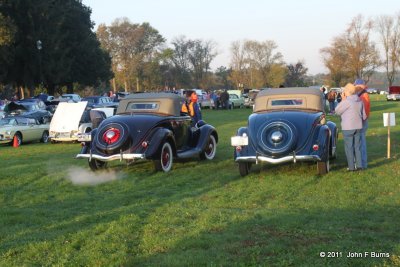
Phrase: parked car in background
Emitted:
{"points": [[205, 101], [24, 129], [149, 126], [393, 94], [71, 97], [68, 120], [372, 91], [2, 106], [100, 102], [36, 101], [287, 125], [382, 92], [120, 95], [236, 100], [251, 96], [28, 107], [44, 97]]}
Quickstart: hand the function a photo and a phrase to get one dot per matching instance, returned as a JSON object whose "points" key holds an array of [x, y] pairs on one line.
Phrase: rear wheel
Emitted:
{"points": [[96, 165], [164, 163], [323, 167], [210, 150], [244, 168]]}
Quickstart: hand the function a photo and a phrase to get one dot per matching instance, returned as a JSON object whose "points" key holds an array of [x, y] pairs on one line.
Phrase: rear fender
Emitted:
{"points": [[334, 133], [323, 141], [158, 137], [245, 150], [205, 132]]}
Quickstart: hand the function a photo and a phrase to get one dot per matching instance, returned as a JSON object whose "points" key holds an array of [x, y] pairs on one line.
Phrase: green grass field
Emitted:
{"points": [[200, 213]]}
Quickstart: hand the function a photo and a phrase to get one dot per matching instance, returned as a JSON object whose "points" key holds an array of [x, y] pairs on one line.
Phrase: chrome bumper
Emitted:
{"points": [[5, 139], [256, 159], [111, 157]]}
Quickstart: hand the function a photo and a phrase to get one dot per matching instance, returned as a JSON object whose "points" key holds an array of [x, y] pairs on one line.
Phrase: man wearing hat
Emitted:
{"points": [[361, 90]]}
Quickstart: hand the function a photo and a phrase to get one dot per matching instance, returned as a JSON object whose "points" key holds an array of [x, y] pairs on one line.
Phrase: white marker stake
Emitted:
{"points": [[388, 142], [389, 119]]}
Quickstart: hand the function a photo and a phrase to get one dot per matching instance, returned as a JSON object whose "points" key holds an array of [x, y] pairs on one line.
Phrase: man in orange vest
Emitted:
{"points": [[191, 107], [361, 90]]}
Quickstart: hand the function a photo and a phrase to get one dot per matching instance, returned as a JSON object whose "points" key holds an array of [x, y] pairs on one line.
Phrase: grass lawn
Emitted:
{"points": [[200, 213]]}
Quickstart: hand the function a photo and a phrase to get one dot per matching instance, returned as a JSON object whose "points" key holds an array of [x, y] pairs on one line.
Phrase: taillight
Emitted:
{"points": [[111, 135]]}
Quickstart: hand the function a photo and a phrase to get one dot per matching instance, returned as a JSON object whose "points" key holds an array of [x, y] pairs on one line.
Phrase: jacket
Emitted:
{"points": [[193, 110], [365, 99], [352, 113]]}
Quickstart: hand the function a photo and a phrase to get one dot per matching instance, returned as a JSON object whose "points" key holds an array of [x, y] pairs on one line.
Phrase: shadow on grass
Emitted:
{"points": [[383, 106], [276, 238], [86, 209]]}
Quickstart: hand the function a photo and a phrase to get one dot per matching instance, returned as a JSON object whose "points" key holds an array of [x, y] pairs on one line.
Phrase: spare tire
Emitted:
{"points": [[112, 137], [277, 138]]}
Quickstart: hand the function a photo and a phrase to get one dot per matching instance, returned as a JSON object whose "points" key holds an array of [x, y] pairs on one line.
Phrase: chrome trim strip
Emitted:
{"points": [[110, 158], [292, 158]]}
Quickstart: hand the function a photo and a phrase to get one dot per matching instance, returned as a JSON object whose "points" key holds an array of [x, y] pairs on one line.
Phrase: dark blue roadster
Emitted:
{"points": [[287, 125], [148, 126]]}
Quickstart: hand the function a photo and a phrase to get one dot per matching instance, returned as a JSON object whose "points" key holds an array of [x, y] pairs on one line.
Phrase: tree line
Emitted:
{"points": [[51, 45], [355, 54]]}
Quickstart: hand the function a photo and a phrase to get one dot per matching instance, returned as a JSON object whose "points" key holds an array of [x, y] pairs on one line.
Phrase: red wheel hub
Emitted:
{"points": [[111, 135]]}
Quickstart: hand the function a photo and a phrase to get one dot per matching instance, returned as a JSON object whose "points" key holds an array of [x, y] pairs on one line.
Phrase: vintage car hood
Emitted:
{"points": [[67, 117], [303, 123], [5, 128]]}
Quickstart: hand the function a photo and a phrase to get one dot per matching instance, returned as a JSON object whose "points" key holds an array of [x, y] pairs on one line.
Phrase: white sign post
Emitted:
{"points": [[389, 119]]}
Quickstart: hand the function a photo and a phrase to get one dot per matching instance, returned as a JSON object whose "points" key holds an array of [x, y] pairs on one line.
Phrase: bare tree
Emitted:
{"points": [[192, 59], [261, 57], [131, 47], [335, 59], [363, 56], [238, 64], [252, 63], [352, 54], [389, 31], [201, 53]]}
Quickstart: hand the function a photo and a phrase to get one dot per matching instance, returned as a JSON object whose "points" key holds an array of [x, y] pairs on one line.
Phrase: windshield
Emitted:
{"points": [[8, 122]]}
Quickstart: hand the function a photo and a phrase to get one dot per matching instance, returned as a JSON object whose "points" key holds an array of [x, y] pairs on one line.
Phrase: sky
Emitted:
{"points": [[300, 28]]}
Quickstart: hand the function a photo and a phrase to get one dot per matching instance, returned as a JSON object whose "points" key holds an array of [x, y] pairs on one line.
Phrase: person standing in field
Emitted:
{"points": [[361, 90], [352, 113], [191, 107], [224, 98], [331, 99]]}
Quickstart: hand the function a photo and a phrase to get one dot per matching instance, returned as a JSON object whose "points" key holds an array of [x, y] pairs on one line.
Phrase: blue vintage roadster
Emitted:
{"points": [[287, 125]]}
